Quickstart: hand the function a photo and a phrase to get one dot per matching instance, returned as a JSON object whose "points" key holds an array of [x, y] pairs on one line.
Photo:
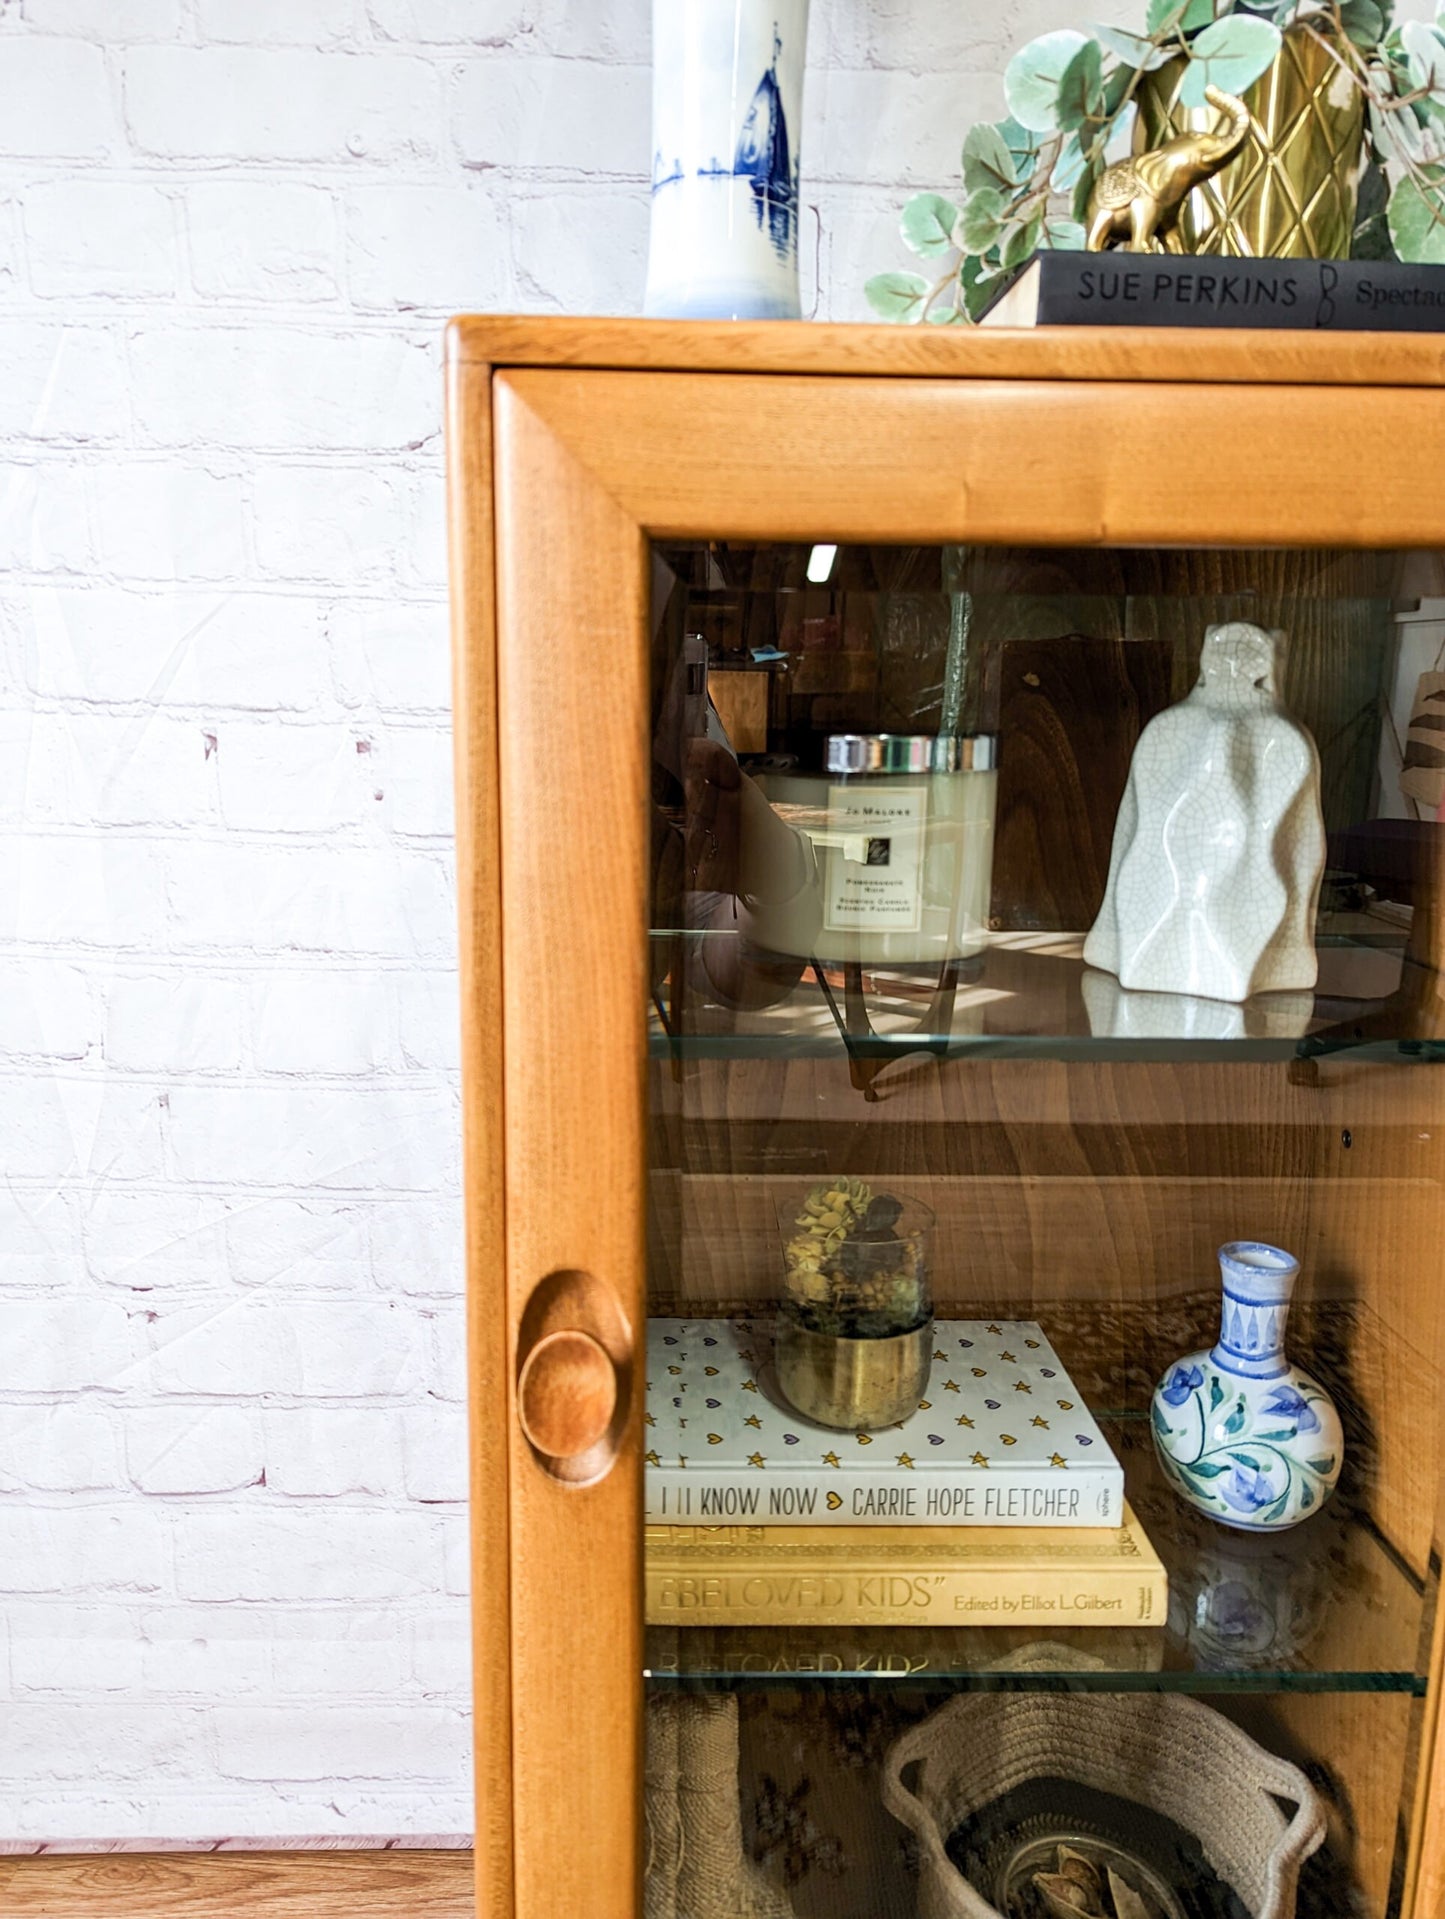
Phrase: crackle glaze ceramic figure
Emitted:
{"points": [[1242, 1434], [1219, 848]]}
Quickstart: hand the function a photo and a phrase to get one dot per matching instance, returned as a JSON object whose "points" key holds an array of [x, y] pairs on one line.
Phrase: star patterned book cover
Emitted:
{"points": [[1001, 1438]]}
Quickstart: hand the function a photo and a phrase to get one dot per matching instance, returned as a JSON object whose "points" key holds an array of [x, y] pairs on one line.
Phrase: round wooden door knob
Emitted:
{"points": [[566, 1395]]}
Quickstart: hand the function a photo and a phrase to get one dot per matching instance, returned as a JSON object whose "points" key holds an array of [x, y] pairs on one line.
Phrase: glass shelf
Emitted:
{"points": [[1030, 996], [1327, 1608]]}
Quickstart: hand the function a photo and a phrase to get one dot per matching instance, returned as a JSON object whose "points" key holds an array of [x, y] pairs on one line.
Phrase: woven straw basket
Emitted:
{"points": [[1166, 1752]]}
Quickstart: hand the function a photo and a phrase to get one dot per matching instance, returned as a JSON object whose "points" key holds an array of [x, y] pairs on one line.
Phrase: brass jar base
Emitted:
{"points": [[853, 1384]]}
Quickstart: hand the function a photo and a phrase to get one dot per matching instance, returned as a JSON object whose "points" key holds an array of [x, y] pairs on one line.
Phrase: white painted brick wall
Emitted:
{"points": [[233, 1556]]}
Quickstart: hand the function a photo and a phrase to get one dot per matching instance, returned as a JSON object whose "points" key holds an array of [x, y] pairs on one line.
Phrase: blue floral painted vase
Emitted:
{"points": [[1242, 1434], [727, 100]]}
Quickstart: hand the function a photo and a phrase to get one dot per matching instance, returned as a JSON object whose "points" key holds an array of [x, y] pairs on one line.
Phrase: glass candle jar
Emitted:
{"points": [[902, 826], [854, 1338]]}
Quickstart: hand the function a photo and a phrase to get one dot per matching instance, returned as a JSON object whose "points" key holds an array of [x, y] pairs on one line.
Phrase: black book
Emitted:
{"points": [[1199, 290]]}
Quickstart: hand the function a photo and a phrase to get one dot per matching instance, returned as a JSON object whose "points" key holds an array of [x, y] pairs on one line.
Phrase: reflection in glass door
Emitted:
{"points": [[945, 1604]]}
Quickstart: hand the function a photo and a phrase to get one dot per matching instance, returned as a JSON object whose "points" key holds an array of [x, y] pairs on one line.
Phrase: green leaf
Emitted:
{"points": [[1161, 1424], [1236, 1420], [1364, 22], [1023, 143], [897, 296], [1246, 1459], [1396, 136], [1395, 79], [988, 161], [1081, 88], [1185, 15], [947, 316], [1417, 220], [981, 222], [1231, 55], [1324, 1465], [1279, 1432], [1372, 234], [1205, 1468], [979, 280], [1115, 87], [1019, 242], [1132, 48], [1216, 1391], [1425, 51], [927, 224], [1064, 236], [1032, 78], [1306, 1497], [1069, 165], [1083, 192]]}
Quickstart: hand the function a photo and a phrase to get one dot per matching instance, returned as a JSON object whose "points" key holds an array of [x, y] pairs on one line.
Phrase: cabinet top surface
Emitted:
{"points": [[884, 352]]}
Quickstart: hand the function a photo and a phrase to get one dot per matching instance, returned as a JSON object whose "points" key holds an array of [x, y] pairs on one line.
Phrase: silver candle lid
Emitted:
{"points": [[910, 753]]}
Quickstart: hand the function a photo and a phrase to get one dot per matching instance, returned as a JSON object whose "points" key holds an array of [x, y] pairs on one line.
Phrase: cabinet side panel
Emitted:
{"points": [[473, 607], [573, 705]]}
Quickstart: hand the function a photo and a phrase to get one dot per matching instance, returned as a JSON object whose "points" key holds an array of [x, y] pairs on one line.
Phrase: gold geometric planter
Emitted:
{"points": [[1290, 192]]}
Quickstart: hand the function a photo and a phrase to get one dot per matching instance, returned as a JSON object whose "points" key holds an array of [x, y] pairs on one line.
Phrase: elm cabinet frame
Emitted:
{"points": [[572, 444]]}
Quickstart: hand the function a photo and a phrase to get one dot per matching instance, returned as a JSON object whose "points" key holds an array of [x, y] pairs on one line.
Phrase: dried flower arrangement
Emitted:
{"points": [[849, 1271]]}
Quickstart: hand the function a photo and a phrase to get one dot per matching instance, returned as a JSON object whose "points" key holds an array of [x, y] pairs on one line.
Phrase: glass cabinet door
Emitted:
{"points": [[940, 1593], [955, 1031]]}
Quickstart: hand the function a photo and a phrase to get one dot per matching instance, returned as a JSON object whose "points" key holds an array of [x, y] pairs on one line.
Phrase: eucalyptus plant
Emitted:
{"points": [[1027, 178]]}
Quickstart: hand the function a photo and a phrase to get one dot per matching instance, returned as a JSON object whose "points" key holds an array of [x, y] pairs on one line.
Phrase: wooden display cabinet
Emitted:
{"points": [[1093, 499]]}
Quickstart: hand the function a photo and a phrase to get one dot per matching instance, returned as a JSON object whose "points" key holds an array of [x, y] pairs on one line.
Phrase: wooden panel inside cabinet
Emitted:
{"points": [[1070, 712], [741, 700]]}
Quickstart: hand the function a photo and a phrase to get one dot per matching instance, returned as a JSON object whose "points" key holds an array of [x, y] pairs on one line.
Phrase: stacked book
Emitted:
{"points": [[997, 1503], [1207, 290]]}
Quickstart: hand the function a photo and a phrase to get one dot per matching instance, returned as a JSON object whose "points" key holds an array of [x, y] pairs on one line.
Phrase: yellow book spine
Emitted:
{"points": [[679, 1594]]}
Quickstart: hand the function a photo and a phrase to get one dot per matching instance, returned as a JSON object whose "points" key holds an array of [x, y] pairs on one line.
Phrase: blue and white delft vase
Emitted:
{"points": [[727, 97], [1243, 1435]]}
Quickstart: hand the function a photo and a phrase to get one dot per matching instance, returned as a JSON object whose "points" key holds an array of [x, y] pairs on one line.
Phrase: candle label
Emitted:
{"points": [[875, 862]]}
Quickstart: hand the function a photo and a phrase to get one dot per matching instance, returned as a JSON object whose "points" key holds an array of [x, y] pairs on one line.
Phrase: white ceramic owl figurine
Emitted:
{"points": [[1219, 848]]}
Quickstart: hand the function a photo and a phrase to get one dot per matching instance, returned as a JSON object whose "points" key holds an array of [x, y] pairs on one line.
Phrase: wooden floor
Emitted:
{"points": [[253, 1885]]}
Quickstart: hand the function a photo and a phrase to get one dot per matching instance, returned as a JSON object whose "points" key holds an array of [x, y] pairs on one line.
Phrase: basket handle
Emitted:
{"points": [[903, 1804], [1303, 1837], [960, 1900]]}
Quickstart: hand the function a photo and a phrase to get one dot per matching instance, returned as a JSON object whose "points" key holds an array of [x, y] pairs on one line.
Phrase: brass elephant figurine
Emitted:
{"points": [[1137, 201]]}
